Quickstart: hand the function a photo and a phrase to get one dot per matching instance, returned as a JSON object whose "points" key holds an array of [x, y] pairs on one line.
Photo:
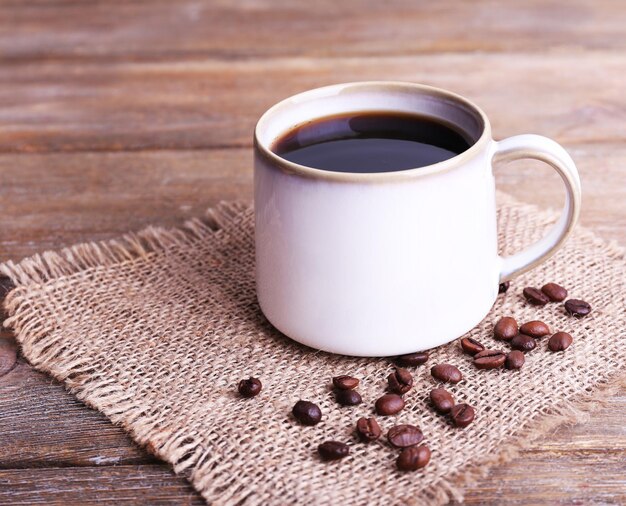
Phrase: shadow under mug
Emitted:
{"points": [[379, 264]]}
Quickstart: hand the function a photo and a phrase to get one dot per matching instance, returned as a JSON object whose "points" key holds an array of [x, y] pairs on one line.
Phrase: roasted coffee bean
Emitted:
{"points": [[560, 341], [446, 373], [413, 458], [577, 307], [462, 415], [249, 387], [368, 429], [522, 342], [333, 450], [345, 382], [504, 287], [307, 413], [400, 381], [412, 359], [514, 360], [535, 329], [442, 400], [471, 346], [402, 436], [505, 329], [389, 404], [348, 397], [554, 292], [489, 359], [535, 297]]}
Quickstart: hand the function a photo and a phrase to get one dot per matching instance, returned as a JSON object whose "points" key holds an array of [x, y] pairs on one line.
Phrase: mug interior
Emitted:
{"points": [[439, 105]]}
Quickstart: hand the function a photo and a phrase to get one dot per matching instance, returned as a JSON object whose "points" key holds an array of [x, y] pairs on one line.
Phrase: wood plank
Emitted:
{"points": [[55, 200], [194, 104], [563, 478], [140, 485], [122, 30], [42, 424]]}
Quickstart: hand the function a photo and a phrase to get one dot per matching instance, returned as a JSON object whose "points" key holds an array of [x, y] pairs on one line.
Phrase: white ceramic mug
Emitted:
{"points": [[378, 264]]}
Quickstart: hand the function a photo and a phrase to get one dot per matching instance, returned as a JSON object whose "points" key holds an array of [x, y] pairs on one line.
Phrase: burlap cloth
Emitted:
{"points": [[155, 330]]}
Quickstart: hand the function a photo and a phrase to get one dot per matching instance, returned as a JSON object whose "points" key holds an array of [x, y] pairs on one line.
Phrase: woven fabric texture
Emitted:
{"points": [[156, 329]]}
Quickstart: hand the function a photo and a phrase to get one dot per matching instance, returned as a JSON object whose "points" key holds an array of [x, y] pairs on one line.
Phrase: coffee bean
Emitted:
{"points": [[307, 413], [523, 342], [560, 341], [577, 307], [535, 297], [554, 292], [400, 381], [535, 329], [489, 359], [345, 382], [514, 360], [333, 450], [413, 458], [504, 287], [471, 346], [442, 400], [462, 415], [249, 387], [412, 359], [446, 373], [389, 404], [348, 397], [505, 329], [368, 429], [402, 436]]}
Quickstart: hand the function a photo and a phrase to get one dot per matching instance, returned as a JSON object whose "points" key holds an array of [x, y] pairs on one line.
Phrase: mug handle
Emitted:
{"points": [[541, 148]]}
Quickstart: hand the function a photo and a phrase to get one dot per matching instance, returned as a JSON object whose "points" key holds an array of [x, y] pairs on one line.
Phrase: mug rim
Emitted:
{"points": [[311, 172]]}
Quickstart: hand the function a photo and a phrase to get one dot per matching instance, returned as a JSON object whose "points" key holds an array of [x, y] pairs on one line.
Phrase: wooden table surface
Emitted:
{"points": [[118, 115]]}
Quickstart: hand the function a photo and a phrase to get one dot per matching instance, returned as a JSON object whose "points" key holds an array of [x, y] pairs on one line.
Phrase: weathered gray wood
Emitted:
{"points": [[190, 104]]}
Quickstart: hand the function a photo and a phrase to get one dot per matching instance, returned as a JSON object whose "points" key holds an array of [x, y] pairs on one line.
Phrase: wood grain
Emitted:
{"points": [[128, 485], [58, 199], [121, 114], [123, 30], [193, 104]]}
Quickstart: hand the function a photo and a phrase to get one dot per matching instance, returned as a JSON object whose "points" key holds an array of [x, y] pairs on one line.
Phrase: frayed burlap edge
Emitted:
{"points": [[178, 451]]}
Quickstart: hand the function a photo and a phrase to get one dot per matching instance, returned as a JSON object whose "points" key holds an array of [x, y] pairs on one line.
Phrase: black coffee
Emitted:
{"points": [[371, 142]]}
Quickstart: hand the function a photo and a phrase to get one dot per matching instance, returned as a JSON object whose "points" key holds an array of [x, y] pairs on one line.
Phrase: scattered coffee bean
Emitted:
{"points": [[471, 346], [249, 387], [522, 342], [307, 413], [413, 458], [555, 293], [333, 450], [348, 397], [400, 381], [489, 359], [446, 373], [345, 382], [535, 329], [535, 297], [368, 429], [462, 415], [504, 287], [412, 359], [402, 436], [389, 404], [514, 360], [560, 341], [442, 400], [577, 307], [505, 329]]}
